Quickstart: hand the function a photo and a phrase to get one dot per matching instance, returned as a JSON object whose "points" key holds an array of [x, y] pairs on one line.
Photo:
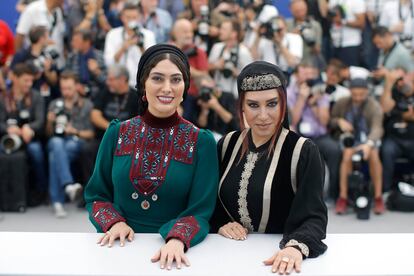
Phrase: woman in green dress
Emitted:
{"points": [[156, 173]]}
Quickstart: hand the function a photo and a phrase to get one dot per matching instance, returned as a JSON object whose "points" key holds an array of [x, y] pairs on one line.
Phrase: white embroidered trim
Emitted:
{"points": [[245, 219]]}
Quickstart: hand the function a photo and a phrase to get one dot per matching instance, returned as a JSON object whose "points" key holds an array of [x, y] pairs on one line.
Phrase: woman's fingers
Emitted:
{"points": [[122, 238], [156, 257], [163, 259], [170, 259], [298, 264], [112, 238], [131, 235], [178, 261], [290, 265], [185, 260], [105, 239], [223, 231], [101, 239]]}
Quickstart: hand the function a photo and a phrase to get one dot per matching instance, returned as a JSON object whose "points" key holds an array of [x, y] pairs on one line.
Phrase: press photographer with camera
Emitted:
{"points": [[309, 29], [21, 125], [347, 19], [42, 58], [155, 19], [229, 56], [308, 105], [182, 36], [397, 102], [217, 109], [359, 116], [88, 62], [125, 45], [278, 46], [69, 127]]}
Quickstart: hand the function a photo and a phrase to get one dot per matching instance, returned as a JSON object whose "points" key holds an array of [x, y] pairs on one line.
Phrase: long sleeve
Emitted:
{"points": [[308, 218], [39, 112], [191, 226], [99, 192]]}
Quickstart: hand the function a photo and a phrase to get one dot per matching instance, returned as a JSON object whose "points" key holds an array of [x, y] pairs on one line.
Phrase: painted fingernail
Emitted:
{"points": [[273, 270], [162, 266], [122, 244], [169, 267]]}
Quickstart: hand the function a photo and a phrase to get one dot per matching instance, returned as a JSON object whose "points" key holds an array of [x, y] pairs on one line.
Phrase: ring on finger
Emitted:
{"points": [[285, 259]]}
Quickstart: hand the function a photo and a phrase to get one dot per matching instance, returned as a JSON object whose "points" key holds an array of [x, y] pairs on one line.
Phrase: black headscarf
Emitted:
{"points": [[148, 55], [262, 75]]}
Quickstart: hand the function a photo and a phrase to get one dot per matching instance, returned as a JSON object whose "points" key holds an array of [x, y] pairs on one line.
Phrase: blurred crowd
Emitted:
{"points": [[70, 68]]}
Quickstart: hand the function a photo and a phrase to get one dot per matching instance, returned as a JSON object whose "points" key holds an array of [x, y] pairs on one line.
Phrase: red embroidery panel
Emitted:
{"points": [[184, 229], [105, 215], [152, 149]]}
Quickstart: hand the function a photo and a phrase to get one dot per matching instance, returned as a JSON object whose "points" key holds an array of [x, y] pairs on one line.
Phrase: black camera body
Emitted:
{"points": [[62, 118], [204, 23], [307, 33], [406, 40], [138, 33], [39, 62], [358, 188], [269, 28], [190, 51], [403, 97], [205, 93], [230, 63]]}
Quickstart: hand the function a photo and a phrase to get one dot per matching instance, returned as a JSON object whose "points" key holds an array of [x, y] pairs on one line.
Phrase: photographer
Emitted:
{"points": [[41, 58], [393, 54], [125, 45], [88, 62], [309, 29], [308, 104], [397, 102], [182, 36], [22, 120], [347, 22], [359, 116], [217, 109], [69, 126], [157, 20], [228, 57], [277, 46]]}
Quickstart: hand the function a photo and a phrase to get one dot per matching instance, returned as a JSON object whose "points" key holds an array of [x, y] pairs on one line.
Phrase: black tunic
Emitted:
{"points": [[295, 209]]}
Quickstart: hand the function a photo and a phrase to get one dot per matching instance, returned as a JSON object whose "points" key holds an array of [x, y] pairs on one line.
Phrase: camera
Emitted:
{"points": [[307, 33], [205, 93], [190, 51], [406, 40], [203, 24], [62, 118], [11, 142], [269, 28], [39, 63], [230, 63], [347, 140], [335, 11], [358, 188], [402, 95], [134, 26]]}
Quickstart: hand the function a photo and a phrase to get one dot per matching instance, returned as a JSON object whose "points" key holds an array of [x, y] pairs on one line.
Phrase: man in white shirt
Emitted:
{"points": [[46, 13], [125, 45], [279, 46], [228, 57], [398, 16], [348, 20]]}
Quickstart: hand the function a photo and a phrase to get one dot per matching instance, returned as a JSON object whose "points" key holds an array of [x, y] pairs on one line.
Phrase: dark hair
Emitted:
{"points": [[69, 75], [147, 69], [236, 26], [85, 34], [20, 69], [380, 31], [130, 6], [336, 65], [36, 33], [283, 109]]}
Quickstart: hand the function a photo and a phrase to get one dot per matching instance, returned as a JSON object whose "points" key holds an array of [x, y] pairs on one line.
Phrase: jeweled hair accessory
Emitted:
{"points": [[261, 82]]}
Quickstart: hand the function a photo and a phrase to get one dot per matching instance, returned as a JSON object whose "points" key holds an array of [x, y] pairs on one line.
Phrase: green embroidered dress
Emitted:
{"points": [[157, 175]]}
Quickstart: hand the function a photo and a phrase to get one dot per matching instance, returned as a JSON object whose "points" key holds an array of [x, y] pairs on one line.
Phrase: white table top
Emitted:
{"points": [[27, 253]]}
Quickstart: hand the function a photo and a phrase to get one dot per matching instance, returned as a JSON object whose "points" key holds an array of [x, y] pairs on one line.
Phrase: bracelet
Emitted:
{"points": [[303, 248]]}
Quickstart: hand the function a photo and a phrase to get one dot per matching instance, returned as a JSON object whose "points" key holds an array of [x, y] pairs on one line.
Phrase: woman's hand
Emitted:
{"points": [[173, 250], [285, 261], [119, 230], [233, 230]]}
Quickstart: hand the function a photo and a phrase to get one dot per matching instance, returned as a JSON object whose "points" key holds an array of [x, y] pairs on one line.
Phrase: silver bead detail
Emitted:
{"points": [[134, 195], [145, 205], [154, 197]]}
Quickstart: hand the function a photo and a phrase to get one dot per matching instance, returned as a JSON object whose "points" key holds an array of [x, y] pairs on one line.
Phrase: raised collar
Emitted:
{"points": [[157, 122]]}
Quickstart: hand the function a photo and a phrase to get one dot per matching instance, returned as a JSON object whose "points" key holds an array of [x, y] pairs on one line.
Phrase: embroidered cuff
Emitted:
{"points": [[105, 215], [300, 246], [184, 229]]}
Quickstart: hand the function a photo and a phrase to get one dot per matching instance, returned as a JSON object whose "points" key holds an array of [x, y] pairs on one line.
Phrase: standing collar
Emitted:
{"points": [[157, 122]]}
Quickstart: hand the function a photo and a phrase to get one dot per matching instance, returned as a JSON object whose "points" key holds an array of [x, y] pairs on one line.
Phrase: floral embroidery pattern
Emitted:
{"points": [[105, 215], [184, 229], [153, 148], [244, 182]]}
